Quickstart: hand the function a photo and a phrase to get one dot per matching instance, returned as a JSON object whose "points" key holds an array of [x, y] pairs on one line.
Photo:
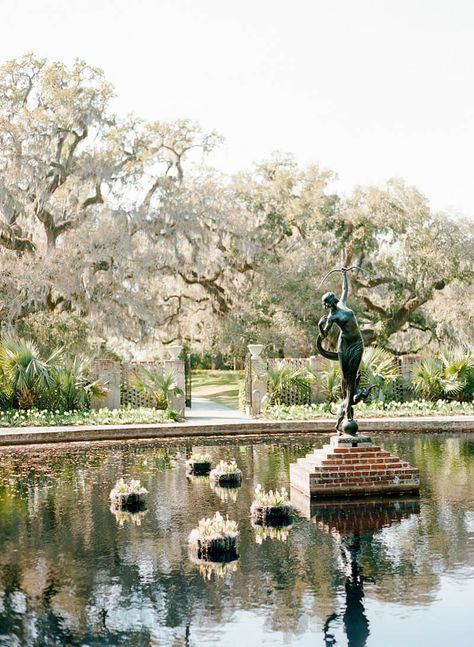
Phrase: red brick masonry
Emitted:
{"points": [[352, 466]]}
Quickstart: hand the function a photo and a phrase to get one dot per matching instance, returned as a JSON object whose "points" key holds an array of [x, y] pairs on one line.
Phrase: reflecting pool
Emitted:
{"points": [[376, 573]]}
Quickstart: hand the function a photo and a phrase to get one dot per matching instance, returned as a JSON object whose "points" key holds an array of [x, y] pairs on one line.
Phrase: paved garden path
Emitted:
{"points": [[204, 411]]}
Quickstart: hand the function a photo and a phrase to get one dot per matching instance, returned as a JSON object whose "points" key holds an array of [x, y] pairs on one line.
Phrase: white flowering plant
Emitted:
{"points": [[217, 527], [126, 488], [271, 498], [200, 458], [226, 467]]}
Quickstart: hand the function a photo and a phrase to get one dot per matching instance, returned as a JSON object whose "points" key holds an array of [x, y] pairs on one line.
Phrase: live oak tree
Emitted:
{"points": [[105, 218], [408, 255], [82, 197]]}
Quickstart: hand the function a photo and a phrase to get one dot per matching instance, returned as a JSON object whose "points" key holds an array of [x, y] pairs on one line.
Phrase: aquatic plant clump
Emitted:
{"points": [[199, 464], [271, 507], [129, 496], [214, 535], [226, 473]]}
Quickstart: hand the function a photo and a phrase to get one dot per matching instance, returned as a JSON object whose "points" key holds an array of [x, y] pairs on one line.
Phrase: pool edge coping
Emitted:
{"points": [[253, 427]]}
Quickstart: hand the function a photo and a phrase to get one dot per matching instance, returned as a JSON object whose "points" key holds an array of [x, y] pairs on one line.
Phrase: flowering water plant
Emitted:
{"points": [[129, 495], [226, 467], [217, 527], [272, 507], [271, 498], [200, 458], [132, 487], [226, 472]]}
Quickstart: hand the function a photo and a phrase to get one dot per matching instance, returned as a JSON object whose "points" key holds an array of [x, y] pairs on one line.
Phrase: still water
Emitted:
{"points": [[393, 572]]}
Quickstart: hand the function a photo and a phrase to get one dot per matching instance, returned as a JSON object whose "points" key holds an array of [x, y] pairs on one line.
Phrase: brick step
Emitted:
{"points": [[340, 456], [338, 489], [353, 450], [371, 478], [356, 473], [360, 461], [360, 466], [355, 469]]}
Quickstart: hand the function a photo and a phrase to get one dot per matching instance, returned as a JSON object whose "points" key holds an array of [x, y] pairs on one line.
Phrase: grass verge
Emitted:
{"points": [[218, 386]]}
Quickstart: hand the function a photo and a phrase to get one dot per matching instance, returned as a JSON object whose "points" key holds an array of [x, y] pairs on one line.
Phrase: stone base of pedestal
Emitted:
{"points": [[352, 466]]}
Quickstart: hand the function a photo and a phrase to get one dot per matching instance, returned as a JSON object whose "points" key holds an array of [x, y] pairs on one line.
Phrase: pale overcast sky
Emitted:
{"points": [[368, 88]]}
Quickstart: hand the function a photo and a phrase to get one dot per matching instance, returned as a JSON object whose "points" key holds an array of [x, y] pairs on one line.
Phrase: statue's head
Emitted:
{"points": [[329, 300]]}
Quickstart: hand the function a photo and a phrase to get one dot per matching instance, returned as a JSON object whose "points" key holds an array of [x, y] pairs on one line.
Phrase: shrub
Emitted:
{"points": [[451, 375], [282, 376], [26, 379], [156, 385], [378, 368], [73, 386]]}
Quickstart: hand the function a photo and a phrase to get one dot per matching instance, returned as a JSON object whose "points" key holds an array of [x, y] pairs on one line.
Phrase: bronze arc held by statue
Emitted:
{"points": [[350, 349]]}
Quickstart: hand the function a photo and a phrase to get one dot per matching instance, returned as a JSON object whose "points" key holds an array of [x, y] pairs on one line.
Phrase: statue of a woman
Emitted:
{"points": [[350, 348]]}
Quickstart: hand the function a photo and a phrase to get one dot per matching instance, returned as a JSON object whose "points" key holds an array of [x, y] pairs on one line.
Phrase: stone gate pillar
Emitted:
{"points": [[108, 372], [176, 366], [258, 385]]}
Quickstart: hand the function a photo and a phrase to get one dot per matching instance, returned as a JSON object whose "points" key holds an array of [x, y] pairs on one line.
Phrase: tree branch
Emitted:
{"points": [[375, 308], [95, 199]]}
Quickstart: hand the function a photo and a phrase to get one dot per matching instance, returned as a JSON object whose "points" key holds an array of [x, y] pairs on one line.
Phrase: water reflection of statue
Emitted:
{"points": [[353, 525], [356, 624], [350, 348]]}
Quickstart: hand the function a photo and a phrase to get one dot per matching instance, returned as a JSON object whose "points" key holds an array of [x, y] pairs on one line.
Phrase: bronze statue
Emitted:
{"points": [[350, 348]]}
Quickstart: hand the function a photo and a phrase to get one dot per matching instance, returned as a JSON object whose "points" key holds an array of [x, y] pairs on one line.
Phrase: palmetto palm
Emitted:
{"points": [[451, 376], [282, 376], [331, 382], [378, 368], [23, 373], [158, 386], [73, 386], [428, 378], [458, 373]]}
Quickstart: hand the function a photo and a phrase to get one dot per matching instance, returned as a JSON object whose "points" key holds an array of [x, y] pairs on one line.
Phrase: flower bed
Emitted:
{"points": [[128, 496], [199, 464], [372, 410], [53, 418], [226, 473], [272, 508], [213, 536]]}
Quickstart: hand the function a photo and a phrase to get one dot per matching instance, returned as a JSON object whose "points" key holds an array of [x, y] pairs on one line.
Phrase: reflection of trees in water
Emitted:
{"points": [[139, 583]]}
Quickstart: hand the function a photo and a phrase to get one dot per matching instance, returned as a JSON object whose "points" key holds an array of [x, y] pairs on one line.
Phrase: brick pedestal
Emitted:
{"points": [[352, 466]]}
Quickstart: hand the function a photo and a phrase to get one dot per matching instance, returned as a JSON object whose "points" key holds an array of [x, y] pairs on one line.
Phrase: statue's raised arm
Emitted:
{"points": [[345, 285]]}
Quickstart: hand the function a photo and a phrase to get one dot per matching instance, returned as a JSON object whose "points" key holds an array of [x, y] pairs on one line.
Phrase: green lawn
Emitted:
{"points": [[219, 386]]}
